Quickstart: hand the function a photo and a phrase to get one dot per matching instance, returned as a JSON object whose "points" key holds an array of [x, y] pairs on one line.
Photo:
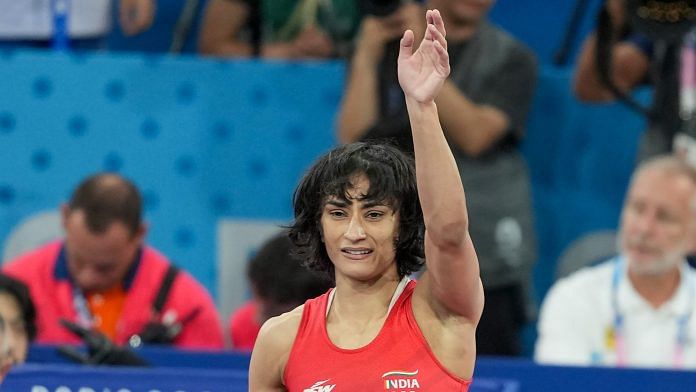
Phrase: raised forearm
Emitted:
{"points": [[439, 184], [359, 108]]}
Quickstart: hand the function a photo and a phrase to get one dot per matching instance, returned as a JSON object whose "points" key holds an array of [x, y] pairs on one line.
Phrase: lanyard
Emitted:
{"points": [[60, 10], [619, 321], [84, 316]]}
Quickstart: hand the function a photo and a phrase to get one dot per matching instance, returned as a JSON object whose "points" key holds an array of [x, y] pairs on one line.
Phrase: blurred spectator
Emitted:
{"points": [[635, 309], [279, 28], [279, 283], [103, 277], [33, 22], [482, 108], [633, 58], [17, 328]]}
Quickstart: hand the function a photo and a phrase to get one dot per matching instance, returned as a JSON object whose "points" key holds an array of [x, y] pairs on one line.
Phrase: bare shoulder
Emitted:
{"points": [[281, 330], [272, 349]]}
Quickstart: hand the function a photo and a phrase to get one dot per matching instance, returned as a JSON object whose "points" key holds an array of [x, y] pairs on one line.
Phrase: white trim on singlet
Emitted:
{"points": [[397, 293]]}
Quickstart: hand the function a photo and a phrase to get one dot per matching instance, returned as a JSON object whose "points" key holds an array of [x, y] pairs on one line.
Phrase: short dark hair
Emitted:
{"points": [[280, 277], [106, 198], [20, 292], [392, 177]]}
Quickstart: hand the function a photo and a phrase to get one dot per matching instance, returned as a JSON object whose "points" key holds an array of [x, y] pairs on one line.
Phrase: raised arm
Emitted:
{"points": [[451, 285]]}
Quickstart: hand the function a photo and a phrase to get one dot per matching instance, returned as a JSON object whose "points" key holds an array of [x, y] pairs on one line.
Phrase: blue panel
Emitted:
{"points": [[202, 139], [206, 139], [542, 24]]}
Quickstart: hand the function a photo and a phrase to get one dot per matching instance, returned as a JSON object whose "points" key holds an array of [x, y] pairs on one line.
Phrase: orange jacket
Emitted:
{"points": [[45, 271]]}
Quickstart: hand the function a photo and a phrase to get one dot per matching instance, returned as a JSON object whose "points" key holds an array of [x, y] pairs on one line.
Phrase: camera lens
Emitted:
{"points": [[379, 8]]}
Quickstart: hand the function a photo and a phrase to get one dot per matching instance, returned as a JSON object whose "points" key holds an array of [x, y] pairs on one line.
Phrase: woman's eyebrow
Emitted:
{"points": [[338, 202]]}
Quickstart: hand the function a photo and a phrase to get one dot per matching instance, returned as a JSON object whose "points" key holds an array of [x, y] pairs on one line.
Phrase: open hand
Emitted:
{"points": [[423, 72]]}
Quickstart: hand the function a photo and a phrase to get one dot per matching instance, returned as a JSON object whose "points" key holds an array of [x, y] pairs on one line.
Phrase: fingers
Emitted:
{"points": [[438, 22], [433, 34], [435, 29], [442, 58], [406, 47]]}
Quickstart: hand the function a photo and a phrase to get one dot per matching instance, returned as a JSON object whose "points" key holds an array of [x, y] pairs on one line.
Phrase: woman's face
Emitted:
{"points": [[14, 340], [360, 235]]}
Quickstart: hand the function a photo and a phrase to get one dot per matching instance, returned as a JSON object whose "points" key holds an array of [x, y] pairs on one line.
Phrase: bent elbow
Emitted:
{"points": [[451, 235]]}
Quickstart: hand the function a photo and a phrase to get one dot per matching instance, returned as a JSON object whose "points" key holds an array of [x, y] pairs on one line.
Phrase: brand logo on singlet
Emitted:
{"points": [[401, 381], [320, 387]]}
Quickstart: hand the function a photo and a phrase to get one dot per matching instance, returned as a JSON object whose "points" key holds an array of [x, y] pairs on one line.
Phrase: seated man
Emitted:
{"points": [[635, 309], [17, 328], [279, 283], [103, 277]]}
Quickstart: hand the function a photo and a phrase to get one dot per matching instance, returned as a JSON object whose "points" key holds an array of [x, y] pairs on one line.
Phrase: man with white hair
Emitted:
{"points": [[637, 308]]}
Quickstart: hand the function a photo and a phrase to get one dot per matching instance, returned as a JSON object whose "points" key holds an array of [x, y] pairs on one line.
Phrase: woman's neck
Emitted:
{"points": [[363, 301]]}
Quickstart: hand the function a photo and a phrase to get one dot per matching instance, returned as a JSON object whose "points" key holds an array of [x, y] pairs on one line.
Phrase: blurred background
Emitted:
{"points": [[217, 145]]}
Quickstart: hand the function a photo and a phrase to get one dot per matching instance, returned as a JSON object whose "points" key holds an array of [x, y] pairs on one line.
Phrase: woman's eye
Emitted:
{"points": [[374, 214], [337, 213]]}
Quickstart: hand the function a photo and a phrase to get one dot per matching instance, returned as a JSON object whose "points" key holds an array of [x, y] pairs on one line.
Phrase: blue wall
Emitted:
{"points": [[210, 139], [202, 139], [542, 24]]}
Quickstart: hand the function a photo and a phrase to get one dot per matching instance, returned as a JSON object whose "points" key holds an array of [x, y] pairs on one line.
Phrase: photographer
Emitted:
{"points": [[647, 53], [482, 108]]}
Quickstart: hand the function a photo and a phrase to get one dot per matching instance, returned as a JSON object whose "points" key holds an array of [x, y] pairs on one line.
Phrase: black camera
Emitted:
{"points": [[379, 8], [662, 20]]}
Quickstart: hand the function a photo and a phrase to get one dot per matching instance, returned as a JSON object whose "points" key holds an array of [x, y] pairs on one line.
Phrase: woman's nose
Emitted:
{"points": [[355, 230]]}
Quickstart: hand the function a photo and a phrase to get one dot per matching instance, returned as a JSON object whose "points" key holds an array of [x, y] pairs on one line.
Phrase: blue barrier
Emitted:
{"points": [[70, 378], [157, 356], [228, 372], [538, 378]]}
